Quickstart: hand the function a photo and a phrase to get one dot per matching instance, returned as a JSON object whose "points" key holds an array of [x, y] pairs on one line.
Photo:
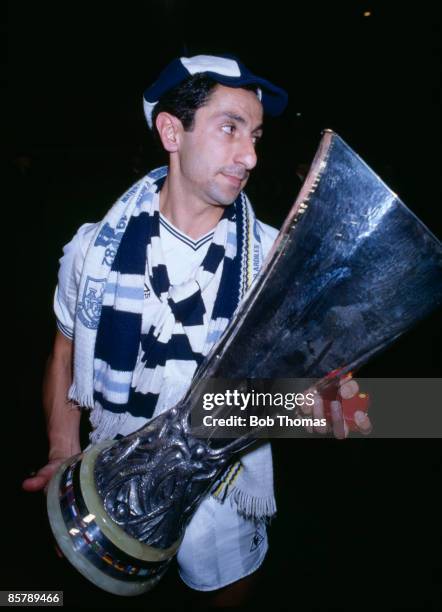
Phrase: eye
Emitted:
{"points": [[229, 128]]}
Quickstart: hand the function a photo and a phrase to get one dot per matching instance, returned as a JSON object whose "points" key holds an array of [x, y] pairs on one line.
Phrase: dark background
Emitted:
{"points": [[359, 521]]}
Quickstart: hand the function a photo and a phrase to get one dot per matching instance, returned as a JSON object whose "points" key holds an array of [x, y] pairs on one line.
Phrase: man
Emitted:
{"points": [[144, 295]]}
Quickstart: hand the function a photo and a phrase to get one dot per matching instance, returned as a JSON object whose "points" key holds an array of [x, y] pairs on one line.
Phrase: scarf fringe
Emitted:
{"points": [[84, 400], [106, 424], [249, 506], [252, 507]]}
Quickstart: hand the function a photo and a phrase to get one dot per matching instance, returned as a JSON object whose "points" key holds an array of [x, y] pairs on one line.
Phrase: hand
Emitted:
{"points": [[336, 421], [40, 480]]}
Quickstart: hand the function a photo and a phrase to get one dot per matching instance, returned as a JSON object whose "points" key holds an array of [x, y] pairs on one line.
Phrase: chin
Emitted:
{"points": [[228, 201], [220, 197]]}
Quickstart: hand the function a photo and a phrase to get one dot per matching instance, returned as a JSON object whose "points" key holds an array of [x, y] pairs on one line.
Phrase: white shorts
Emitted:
{"points": [[220, 546]]}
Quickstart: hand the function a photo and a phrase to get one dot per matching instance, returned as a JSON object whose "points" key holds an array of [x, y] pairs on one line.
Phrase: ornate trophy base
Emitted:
{"points": [[96, 546]]}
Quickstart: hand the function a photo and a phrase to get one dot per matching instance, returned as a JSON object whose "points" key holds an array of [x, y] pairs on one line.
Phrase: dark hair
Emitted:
{"points": [[185, 99]]}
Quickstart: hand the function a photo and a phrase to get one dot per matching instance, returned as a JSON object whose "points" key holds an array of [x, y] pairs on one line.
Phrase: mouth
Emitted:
{"points": [[234, 180]]}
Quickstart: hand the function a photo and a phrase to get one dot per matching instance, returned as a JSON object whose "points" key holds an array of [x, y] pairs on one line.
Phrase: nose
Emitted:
{"points": [[246, 154]]}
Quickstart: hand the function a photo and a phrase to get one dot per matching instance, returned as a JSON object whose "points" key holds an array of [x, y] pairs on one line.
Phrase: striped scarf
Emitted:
{"points": [[123, 343]]}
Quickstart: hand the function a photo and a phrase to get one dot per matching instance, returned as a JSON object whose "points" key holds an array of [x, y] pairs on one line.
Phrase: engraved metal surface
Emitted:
{"points": [[151, 481]]}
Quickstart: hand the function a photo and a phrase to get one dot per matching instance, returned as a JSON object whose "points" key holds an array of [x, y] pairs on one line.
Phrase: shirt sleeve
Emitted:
{"points": [[69, 274]]}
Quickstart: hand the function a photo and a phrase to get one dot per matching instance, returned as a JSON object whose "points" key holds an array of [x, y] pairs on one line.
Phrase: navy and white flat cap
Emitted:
{"points": [[225, 69]]}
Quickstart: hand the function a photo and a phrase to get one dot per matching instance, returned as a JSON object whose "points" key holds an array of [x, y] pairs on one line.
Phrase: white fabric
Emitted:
{"points": [[180, 259], [211, 63], [183, 255], [220, 546]]}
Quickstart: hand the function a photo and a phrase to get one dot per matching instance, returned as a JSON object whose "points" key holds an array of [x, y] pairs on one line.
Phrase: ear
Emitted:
{"points": [[169, 129]]}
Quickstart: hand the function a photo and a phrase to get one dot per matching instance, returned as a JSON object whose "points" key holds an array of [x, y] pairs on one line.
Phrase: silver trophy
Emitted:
{"points": [[351, 270]]}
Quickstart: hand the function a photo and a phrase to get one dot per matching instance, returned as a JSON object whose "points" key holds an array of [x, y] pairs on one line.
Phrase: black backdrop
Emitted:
{"points": [[358, 521]]}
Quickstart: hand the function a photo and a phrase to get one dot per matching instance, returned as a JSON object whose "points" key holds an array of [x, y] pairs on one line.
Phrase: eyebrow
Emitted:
{"points": [[239, 119]]}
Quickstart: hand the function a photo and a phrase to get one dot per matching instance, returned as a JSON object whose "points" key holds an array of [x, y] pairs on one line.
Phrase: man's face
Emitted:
{"points": [[217, 156]]}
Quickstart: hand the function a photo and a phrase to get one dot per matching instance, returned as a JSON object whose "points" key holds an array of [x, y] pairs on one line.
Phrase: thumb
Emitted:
{"points": [[41, 479]]}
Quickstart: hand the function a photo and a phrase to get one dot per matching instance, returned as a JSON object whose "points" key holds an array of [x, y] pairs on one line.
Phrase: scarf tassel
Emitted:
{"points": [[106, 424], [253, 507], [84, 400], [248, 505]]}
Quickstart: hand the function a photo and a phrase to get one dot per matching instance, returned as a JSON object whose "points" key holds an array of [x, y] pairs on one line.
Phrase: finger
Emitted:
{"points": [[339, 426], [306, 407], [318, 413], [363, 422], [41, 479], [348, 388], [36, 483]]}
